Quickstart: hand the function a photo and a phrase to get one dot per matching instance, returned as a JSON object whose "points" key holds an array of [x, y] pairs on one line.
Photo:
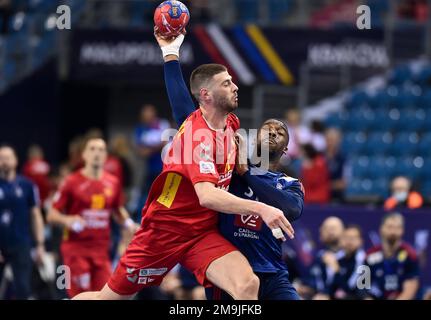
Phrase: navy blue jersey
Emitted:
{"points": [[249, 233], [344, 284], [389, 273], [321, 277], [17, 198]]}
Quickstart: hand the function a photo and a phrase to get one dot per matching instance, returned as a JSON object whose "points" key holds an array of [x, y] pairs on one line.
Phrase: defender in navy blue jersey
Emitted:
{"points": [[19, 216], [393, 264], [252, 237]]}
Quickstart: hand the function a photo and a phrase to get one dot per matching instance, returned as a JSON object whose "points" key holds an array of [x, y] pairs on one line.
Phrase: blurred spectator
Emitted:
{"points": [[20, 215], [402, 195], [414, 9], [75, 153], [149, 143], [315, 176], [393, 264], [344, 285], [318, 282], [200, 9], [317, 136], [5, 14], [119, 149], [336, 164], [299, 134], [37, 170]]}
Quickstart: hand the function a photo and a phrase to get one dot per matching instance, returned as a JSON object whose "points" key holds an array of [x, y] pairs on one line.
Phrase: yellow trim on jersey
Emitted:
{"points": [[65, 234], [170, 189]]}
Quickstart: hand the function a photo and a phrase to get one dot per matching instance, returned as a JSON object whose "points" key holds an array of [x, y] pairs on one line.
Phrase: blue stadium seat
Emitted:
{"points": [[426, 170], [278, 9], [359, 188], [424, 101], [380, 99], [247, 10], [16, 44], [399, 75], [405, 99], [378, 8], [337, 119], [412, 120], [360, 119], [425, 145], [9, 70], [358, 98], [423, 78], [427, 121], [381, 187], [405, 143], [378, 167], [378, 143], [405, 167], [386, 119], [353, 142], [360, 166], [426, 189]]}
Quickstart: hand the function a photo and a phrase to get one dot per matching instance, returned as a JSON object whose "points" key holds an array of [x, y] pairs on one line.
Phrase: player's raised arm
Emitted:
{"points": [[179, 97], [222, 201]]}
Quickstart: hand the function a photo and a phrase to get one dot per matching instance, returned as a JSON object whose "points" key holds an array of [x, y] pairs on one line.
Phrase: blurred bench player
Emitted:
{"points": [[83, 206], [255, 240]]}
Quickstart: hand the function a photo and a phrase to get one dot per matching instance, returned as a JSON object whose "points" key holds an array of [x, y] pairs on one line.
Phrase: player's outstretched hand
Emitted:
{"points": [[275, 219]]}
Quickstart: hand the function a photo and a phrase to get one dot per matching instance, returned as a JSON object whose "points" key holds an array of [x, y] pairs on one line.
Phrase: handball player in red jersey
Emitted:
{"points": [[179, 223], [83, 206]]}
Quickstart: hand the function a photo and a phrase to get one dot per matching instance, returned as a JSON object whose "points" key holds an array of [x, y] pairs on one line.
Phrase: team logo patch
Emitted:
{"points": [[402, 255], [248, 221], [375, 258], [206, 167]]}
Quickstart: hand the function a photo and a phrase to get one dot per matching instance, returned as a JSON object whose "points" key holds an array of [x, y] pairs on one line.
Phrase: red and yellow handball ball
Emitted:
{"points": [[171, 17]]}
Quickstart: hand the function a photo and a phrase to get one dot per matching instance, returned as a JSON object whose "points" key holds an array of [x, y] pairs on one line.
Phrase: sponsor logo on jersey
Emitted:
{"points": [[402, 256], [206, 167], [375, 258], [152, 272], [248, 221]]}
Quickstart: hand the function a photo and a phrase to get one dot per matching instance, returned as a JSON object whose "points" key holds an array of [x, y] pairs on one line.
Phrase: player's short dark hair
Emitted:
{"points": [[202, 74], [281, 123], [391, 215], [354, 227], [7, 145]]}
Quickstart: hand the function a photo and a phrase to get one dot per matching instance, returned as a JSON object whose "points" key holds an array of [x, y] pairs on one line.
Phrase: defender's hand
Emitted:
{"points": [[275, 219]]}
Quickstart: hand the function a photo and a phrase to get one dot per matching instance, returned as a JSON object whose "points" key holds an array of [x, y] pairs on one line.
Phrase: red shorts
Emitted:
{"points": [[86, 273], [153, 253]]}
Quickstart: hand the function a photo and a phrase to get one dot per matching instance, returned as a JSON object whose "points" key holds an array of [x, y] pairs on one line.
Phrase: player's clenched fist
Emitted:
{"points": [[275, 219]]}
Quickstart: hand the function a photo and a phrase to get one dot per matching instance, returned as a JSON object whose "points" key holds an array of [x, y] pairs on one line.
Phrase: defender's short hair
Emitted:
{"points": [[202, 75]]}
